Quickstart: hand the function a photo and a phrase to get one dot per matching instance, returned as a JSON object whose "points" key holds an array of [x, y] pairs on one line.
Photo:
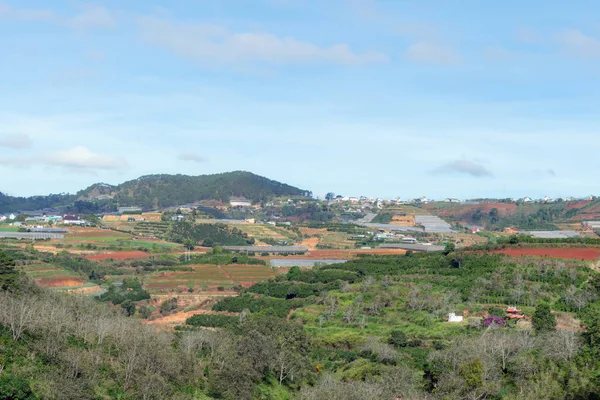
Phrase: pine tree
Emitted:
{"points": [[543, 320]]}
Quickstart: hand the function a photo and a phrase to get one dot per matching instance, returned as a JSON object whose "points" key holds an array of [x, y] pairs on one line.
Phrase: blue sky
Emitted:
{"points": [[359, 97]]}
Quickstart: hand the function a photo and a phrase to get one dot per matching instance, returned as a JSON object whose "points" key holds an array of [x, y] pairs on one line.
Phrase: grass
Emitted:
{"points": [[336, 240], [7, 228]]}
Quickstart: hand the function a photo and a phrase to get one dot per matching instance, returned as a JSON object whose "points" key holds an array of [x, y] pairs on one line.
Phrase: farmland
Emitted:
{"points": [[209, 278], [581, 253], [55, 277], [262, 232]]}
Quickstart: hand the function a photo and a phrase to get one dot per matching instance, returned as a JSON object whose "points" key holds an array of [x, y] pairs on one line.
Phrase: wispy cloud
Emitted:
{"points": [[194, 157], [82, 158], [90, 17], [210, 44], [431, 52], [15, 141], [577, 43], [93, 17], [525, 34], [464, 167]]}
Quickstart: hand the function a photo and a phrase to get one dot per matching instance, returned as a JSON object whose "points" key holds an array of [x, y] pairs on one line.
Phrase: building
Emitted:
{"points": [[475, 228], [409, 240], [123, 210], [452, 317], [514, 313], [73, 220], [12, 217], [240, 202]]}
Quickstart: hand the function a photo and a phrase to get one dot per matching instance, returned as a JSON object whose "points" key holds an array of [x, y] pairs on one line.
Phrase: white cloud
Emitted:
{"points": [[191, 157], [92, 17], [525, 34], [27, 15], [81, 158], [15, 141], [217, 45], [430, 52], [580, 44], [464, 167]]}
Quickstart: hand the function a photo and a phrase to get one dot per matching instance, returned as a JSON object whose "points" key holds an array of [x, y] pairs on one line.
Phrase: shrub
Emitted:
{"points": [[398, 339]]}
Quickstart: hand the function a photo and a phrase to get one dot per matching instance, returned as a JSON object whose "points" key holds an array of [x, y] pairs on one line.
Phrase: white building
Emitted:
{"points": [[452, 317], [241, 203]]}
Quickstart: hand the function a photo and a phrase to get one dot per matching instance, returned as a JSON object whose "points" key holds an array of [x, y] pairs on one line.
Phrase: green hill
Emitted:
{"points": [[156, 191]]}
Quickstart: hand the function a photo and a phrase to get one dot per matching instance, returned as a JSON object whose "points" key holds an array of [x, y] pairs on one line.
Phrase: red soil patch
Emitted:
{"points": [[579, 204], [60, 282], [504, 209], [119, 255], [567, 253]]}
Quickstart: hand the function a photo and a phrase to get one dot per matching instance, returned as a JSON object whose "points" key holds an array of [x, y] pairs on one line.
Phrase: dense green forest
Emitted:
{"points": [[156, 191]]}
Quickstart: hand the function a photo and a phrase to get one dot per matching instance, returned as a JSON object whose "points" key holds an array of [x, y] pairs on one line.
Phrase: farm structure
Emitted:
{"points": [[48, 230], [551, 234], [409, 246], [302, 263], [31, 235], [267, 249], [433, 224], [392, 227]]}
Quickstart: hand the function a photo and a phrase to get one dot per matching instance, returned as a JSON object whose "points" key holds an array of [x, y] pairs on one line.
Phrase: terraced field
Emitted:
{"points": [[55, 277], [209, 277], [336, 240], [262, 232]]}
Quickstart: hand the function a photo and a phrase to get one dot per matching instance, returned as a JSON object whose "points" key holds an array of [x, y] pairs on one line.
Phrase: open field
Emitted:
{"points": [[260, 232], [52, 276], [336, 240], [589, 254], [403, 220], [313, 231], [209, 277], [119, 255]]}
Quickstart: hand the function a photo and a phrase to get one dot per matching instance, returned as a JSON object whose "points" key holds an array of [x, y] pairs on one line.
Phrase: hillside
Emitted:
{"points": [[498, 215], [154, 191]]}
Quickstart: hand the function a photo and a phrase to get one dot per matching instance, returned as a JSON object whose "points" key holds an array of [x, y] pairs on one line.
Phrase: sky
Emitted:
{"points": [[384, 98]]}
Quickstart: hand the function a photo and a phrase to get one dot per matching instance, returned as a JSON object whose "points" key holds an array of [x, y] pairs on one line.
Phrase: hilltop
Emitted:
{"points": [[155, 191]]}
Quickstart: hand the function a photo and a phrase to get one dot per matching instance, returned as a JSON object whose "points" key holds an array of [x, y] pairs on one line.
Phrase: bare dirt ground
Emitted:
{"points": [[403, 220], [311, 243], [60, 282]]}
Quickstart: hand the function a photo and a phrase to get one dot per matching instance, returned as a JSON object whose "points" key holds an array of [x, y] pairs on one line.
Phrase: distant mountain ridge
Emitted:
{"points": [[157, 191]]}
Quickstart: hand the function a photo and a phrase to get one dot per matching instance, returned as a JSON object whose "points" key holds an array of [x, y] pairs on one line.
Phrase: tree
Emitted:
{"points": [[398, 339], [129, 307], [494, 216], [189, 244], [330, 196], [450, 248], [8, 274], [543, 320], [15, 387]]}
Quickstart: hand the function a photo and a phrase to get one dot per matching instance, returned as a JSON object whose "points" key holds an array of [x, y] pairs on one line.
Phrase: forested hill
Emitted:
{"points": [[167, 190], [12, 204], [155, 191]]}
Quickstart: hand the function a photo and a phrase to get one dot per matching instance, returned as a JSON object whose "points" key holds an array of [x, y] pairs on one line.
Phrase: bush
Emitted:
{"points": [[212, 321], [15, 387], [398, 339]]}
